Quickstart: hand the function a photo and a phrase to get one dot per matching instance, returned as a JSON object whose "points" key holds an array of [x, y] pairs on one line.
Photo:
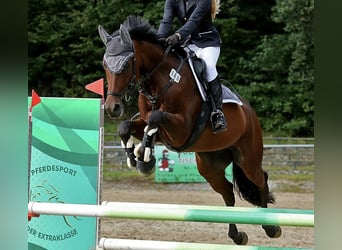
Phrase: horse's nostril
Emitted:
{"points": [[116, 107]]}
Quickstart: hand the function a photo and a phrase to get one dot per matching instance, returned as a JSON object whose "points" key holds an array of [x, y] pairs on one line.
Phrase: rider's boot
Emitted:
{"points": [[217, 119]]}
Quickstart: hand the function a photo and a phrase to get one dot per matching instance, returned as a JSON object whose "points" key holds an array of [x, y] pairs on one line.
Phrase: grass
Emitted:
{"points": [[288, 173], [110, 126], [287, 140], [285, 177], [114, 173], [292, 177], [290, 188], [120, 175]]}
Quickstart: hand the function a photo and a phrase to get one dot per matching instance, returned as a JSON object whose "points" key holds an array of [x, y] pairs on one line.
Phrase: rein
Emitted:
{"points": [[154, 99]]}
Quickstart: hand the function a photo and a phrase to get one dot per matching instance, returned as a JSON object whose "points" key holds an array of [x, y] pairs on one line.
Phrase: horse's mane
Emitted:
{"points": [[140, 29]]}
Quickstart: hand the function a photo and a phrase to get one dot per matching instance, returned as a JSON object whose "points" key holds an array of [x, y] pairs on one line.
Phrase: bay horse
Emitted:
{"points": [[170, 106]]}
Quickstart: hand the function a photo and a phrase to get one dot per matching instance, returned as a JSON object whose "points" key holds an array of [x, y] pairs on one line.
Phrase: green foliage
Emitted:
{"points": [[267, 52], [65, 51], [280, 73]]}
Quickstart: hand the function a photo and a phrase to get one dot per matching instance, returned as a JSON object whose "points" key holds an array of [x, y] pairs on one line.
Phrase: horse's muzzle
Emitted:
{"points": [[114, 110]]}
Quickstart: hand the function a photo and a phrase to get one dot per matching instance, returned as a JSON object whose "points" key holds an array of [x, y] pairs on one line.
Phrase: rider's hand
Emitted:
{"points": [[162, 39], [173, 39]]}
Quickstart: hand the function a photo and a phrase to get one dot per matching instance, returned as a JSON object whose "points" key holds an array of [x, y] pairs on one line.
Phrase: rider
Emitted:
{"points": [[196, 17]]}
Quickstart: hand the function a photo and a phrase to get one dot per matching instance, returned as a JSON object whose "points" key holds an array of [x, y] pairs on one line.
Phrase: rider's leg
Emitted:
{"points": [[210, 55], [217, 118]]}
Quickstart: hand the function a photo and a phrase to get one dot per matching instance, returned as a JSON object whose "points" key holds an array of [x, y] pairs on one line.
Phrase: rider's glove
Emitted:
{"points": [[173, 39]]}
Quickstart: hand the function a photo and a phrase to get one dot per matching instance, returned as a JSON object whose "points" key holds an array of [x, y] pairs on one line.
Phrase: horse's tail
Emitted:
{"points": [[247, 189]]}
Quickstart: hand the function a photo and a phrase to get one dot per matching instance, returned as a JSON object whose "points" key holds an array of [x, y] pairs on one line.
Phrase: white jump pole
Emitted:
{"points": [[127, 244], [150, 211]]}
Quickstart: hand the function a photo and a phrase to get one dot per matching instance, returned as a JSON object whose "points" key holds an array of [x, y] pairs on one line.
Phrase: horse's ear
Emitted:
{"points": [[105, 37], [125, 36]]}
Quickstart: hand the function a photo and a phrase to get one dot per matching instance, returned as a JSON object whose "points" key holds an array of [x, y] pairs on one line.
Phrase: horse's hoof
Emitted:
{"points": [[131, 163], [241, 238], [146, 168], [272, 231]]}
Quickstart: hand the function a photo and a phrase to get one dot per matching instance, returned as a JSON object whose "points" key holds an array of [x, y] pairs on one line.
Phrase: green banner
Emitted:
{"points": [[172, 166], [65, 167]]}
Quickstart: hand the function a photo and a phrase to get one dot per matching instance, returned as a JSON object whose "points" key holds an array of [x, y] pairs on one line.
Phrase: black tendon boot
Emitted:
{"points": [[218, 122]]}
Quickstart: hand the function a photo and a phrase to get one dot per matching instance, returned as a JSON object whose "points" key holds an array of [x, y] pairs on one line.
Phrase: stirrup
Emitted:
{"points": [[218, 122]]}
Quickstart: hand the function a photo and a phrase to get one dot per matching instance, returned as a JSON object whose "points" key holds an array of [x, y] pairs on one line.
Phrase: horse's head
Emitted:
{"points": [[118, 62]]}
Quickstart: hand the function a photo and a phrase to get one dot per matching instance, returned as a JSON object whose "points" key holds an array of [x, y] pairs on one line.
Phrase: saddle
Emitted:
{"points": [[197, 66]]}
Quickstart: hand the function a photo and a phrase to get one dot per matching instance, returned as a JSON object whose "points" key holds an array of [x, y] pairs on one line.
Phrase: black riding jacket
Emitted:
{"points": [[195, 17]]}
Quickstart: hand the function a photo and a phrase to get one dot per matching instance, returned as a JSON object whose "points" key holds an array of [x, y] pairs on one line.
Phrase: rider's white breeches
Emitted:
{"points": [[210, 56]]}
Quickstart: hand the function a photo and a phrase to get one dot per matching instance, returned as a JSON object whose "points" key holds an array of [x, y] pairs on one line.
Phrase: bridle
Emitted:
{"points": [[129, 89]]}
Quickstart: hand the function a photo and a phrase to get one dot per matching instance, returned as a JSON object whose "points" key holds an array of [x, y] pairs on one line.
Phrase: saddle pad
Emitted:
{"points": [[229, 96]]}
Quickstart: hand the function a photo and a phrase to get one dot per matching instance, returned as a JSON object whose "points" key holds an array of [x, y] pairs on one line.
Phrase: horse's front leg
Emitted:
{"points": [[127, 130], [144, 151]]}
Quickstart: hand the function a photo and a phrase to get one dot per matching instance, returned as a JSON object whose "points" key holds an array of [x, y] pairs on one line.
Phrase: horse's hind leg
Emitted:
{"points": [[253, 187], [267, 197], [212, 167]]}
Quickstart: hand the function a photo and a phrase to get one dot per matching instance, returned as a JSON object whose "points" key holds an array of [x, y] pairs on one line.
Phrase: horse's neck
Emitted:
{"points": [[181, 98], [155, 64], [148, 56]]}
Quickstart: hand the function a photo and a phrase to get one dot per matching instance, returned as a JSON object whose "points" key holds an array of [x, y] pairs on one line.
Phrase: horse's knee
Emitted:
{"points": [[124, 128], [156, 118]]}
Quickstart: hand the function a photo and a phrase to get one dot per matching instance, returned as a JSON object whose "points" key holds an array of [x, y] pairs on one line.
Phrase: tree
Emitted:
{"points": [[65, 51], [266, 53], [280, 73]]}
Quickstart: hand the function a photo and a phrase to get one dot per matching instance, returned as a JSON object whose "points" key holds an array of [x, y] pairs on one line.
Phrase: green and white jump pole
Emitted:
{"points": [[174, 212], [125, 244]]}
